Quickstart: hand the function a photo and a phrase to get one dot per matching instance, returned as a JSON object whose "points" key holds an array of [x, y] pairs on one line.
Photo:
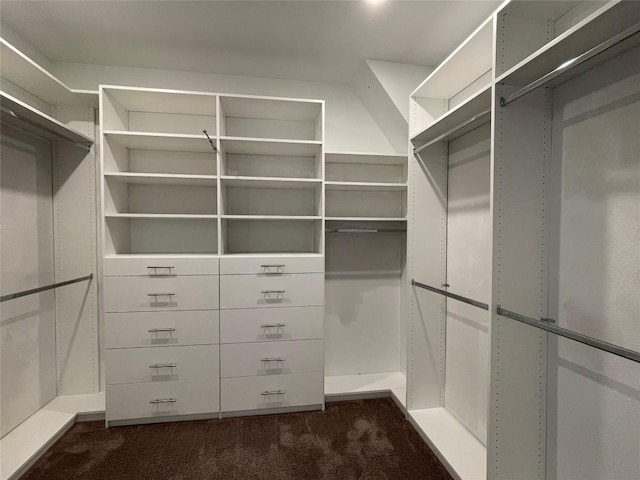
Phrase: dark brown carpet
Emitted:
{"points": [[368, 439]]}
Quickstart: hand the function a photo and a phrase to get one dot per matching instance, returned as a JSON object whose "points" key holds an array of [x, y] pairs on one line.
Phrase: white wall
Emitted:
{"points": [[594, 397], [348, 124], [27, 325]]}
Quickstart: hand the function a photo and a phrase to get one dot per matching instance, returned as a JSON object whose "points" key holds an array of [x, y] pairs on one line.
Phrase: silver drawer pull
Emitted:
{"points": [[163, 365], [273, 265], [163, 400], [273, 325], [272, 392], [266, 292], [155, 269], [160, 294], [273, 359], [156, 330]]}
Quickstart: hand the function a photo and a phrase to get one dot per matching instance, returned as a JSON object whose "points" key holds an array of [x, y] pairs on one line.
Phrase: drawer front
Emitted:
{"points": [[162, 364], [252, 291], [157, 400], [271, 265], [140, 294], [271, 324], [272, 358], [160, 266], [272, 391], [154, 329]]}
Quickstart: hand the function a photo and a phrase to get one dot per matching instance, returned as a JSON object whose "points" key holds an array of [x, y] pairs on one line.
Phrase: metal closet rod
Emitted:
{"points": [[451, 131], [460, 298], [40, 127], [569, 64], [547, 324], [24, 293]]}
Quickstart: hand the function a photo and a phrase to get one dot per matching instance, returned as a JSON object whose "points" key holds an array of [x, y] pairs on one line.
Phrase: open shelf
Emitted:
{"points": [[271, 235], [270, 218], [162, 178], [18, 113], [271, 182], [160, 141], [18, 68], [269, 117], [366, 204], [345, 167], [270, 146], [185, 216], [340, 387], [366, 186]]}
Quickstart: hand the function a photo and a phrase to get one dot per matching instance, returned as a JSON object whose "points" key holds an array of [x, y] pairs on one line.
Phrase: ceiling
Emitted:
{"points": [[321, 40]]}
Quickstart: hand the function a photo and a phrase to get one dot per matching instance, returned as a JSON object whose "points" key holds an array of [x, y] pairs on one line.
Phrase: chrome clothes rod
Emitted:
{"points": [[210, 141], [365, 230], [460, 298], [547, 325], [24, 293], [569, 64], [451, 131]]}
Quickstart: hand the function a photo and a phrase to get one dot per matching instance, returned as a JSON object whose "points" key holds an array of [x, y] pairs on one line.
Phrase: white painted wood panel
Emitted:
{"points": [[131, 401], [271, 265], [124, 330], [288, 290], [271, 324], [270, 358], [246, 393], [133, 294], [162, 364], [160, 265]]}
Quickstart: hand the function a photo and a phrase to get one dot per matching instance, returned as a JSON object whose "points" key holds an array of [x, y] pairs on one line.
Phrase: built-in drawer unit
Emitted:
{"points": [[138, 294], [272, 391], [271, 324], [271, 265], [154, 329], [161, 399], [272, 358], [287, 290], [160, 266], [162, 364]]}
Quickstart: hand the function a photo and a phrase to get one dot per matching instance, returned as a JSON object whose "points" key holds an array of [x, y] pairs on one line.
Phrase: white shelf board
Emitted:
{"points": [[162, 178], [365, 219], [270, 146], [23, 71], [339, 385], [475, 105], [275, 255], [271, 182], [462, 454], [163, 101], [161, 141], [271, 108], [160, 216], [365, 158], [606, 22], [272, 217], [26, 117], [366, 186], [468, 62], [163, 255], [28, 441]]}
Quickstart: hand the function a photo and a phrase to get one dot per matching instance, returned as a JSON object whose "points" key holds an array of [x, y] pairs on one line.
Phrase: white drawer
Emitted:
{"points": [[271, 324], [160, 266], [272, 391], [251, 291], [162, 364], [150, 329], [157, 400], [139, 294], [271, 358], [271, 265]]}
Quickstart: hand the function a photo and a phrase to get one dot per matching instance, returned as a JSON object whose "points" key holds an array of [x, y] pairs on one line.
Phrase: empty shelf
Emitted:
{"points": [[161, 141], [262, 146], [162, 178]]}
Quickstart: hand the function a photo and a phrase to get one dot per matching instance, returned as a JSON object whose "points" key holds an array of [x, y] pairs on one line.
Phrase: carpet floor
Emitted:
{"points": [[365, 439]]}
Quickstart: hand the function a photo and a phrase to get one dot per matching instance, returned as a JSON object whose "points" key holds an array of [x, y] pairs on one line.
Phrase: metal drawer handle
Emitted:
{"points": [[155, 269], [160, 294], [163, 365], [156, 330], [272, 392], [273, 291], [163, 400], [273, 265], [273, 359], [273, 325]]}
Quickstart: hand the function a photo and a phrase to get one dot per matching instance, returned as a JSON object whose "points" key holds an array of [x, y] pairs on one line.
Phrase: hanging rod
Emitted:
{"points": [[570, 64], [547, 324], [210, 141], [453, 130], [460, 298], [365, 230], [42, 128], [24, 293]]}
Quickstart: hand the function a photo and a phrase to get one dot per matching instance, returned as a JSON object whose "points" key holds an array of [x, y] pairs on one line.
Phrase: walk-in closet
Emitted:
{"points": [[310, 239]]}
